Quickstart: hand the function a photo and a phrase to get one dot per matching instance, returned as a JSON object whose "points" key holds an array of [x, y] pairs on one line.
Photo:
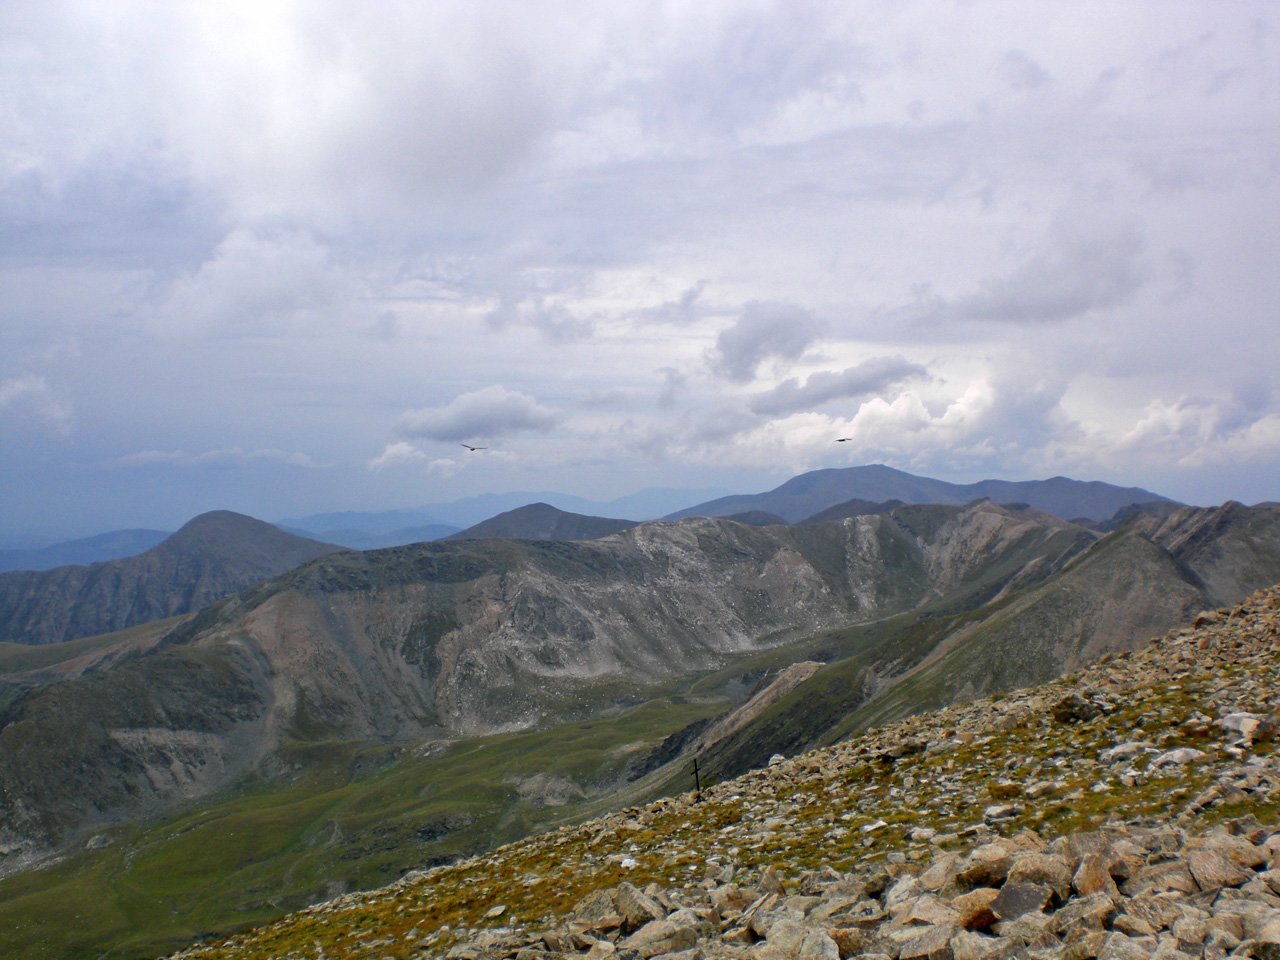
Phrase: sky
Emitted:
{"points": [[287, 257]]}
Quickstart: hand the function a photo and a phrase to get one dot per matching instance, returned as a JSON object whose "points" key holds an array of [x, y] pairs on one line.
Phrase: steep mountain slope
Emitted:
{"points": [[473, 637], [1228, 549], [809, 493], [541, 521], [1111, 598], [211, 556], [1131, 810], [105, 546]]}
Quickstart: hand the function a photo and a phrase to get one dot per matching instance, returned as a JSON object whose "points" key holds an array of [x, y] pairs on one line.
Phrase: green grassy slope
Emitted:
{"points": [[354, 817]]}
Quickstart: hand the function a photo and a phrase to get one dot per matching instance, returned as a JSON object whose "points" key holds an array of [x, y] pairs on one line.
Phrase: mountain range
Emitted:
{"points": [[355, 714], [803, 496]]}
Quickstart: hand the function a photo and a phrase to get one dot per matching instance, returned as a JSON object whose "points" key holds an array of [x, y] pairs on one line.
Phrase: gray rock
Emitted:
{"points": [[1016, 899]]}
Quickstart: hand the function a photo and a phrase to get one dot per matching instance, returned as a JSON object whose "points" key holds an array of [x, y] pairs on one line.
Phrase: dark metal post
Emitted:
{"points": [[697, 780]]}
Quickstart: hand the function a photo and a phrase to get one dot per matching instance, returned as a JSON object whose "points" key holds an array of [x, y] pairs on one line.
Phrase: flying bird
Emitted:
{"points": [[843, 439], [474, 449]]}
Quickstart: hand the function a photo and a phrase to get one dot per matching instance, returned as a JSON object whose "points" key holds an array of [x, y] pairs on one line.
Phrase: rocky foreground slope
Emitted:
{"points": [[1131, 809]]}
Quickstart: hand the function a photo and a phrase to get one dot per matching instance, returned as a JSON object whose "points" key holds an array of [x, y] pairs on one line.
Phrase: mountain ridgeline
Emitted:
{"points": [[213, 555], [810, 493], [541, 521], [902, 609]]}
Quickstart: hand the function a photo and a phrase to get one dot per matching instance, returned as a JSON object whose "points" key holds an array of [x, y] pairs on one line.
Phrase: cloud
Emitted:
{"points": [[1021, 72], [869, 377], [398, 454], [261, 284], [787, 60], [674, 383], [682, 311], [1076, 272], [492, 412], [28, 401], [225, 458], [401, 454], [552, 319], [1197, 431], [766, 329]]}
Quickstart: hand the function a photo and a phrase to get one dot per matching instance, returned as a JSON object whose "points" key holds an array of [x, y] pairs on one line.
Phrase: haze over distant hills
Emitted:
{"points": [[805, 495], [398, 527], [799, 499], [113, 545], [215, 554]]}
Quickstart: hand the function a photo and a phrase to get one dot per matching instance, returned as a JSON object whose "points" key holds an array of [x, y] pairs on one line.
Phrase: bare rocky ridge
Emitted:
{"points": [[1129, 810]]}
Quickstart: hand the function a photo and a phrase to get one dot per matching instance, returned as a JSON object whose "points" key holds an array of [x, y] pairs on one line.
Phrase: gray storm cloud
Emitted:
{"points": [[764, 330], [491, 412], [1075, 274], [853, 383]]}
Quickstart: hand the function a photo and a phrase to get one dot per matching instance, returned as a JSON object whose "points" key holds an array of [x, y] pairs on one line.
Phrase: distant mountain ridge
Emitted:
{"points": [[648, 504], [541, 521], [213, 555], [113, 545], [804, 496]]}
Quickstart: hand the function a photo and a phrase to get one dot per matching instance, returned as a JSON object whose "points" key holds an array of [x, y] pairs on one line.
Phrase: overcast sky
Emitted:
{"points": [[287, 257]]}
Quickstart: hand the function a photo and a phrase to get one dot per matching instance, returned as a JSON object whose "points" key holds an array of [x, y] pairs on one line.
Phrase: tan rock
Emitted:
{"points": [[931, 943], [661, 936], [1094, 876], [1046, 869], [973, 909], [931, 909], [1158, 878], [637, 907], [1213, 869]]}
